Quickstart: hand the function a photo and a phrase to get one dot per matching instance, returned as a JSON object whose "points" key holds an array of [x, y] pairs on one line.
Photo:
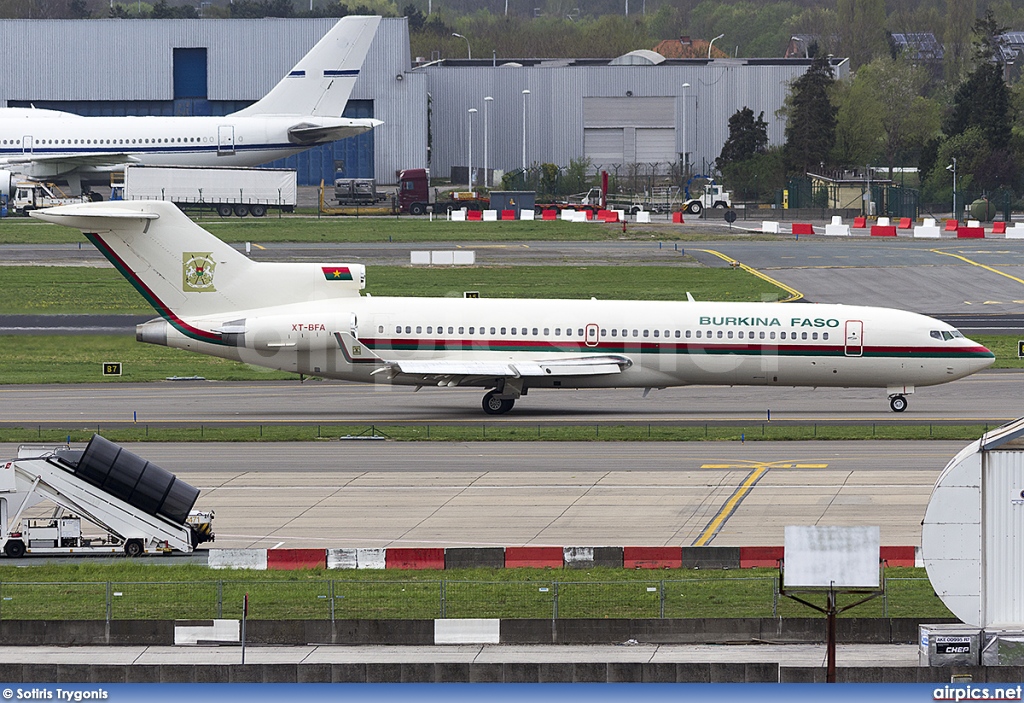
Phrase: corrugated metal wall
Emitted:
{"points": [[126, 63], [1004, 537], [555, 105], [125, 67]]}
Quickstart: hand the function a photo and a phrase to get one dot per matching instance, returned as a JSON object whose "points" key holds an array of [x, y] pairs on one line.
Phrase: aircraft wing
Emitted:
{"points": [[95, 159], [433, 370], [452, 369]]}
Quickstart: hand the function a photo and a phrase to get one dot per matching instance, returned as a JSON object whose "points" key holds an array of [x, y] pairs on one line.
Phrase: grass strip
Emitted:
{"points": [[51, 290], [391, 229], [137, 590], [503, 431]]}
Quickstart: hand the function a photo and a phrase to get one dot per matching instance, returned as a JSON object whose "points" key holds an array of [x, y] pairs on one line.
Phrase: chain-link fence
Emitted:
{"points": [[331, 599]]}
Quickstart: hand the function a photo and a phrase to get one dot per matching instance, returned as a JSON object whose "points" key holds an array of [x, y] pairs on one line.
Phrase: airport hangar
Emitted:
{"points": [[616, 112]]}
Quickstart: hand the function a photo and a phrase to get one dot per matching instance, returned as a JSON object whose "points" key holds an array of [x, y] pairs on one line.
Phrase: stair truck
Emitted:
{"points": [[140, 507]]}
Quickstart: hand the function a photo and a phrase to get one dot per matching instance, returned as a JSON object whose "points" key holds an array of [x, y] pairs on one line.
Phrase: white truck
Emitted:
{"points": [[229, 191], [36, 195], [138, 507], [714, 196]]}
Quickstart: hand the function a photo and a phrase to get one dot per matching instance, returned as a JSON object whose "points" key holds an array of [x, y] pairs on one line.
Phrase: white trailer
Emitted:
{"points": [[238, 191], [142, 508]]}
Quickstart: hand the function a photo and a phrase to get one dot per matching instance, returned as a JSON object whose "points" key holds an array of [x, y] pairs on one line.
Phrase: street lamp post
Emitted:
{"points": [[469, 51], [712, 43], [472, 111], [525, 93], [686, 154], [487, 100], [952, 168]]}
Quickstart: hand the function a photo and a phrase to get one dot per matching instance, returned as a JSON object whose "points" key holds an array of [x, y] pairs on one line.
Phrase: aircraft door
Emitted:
{"points": [[225, 140], [591, 335], [27, 144], [854, 345]]}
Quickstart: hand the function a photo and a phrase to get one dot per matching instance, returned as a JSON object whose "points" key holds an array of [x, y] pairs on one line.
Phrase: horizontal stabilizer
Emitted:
{"points": [[88, 216], [313, 134]]}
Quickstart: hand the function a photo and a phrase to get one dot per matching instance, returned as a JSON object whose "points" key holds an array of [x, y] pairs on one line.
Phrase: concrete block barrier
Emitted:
{"points": [[458, 215], [474, 215], [905, 223], [568, 214], [408, 558], [536, 557], [999, 227], [548, 215], [927, 231], [898, 556], [883, 222], [769, 227], [802, 228], [970, 232], [711, 557], [341, 559], [754, 557], [490, 216], [1015, 232], [643, 217], [677, 218], [652, 557], [586, 557], [837, 230], [467, 631], [508, 214], [883, 231], [526, 215], [952, 225], [860, 222], [291, 559], [237, 559], [419, 258], [474, 557]]}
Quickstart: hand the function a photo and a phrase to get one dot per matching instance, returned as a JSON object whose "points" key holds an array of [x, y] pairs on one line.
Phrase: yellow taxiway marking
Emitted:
{"points": [[259, 247], [794, 294], [759, 469], [980, 265]]}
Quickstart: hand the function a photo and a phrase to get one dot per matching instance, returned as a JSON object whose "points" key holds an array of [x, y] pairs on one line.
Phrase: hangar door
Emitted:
{"points": [[603, 146], [656, 146]]}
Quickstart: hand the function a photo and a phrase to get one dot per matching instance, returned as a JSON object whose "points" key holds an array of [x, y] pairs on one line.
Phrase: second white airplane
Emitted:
{"points": [[301, 111], [311, 319]]}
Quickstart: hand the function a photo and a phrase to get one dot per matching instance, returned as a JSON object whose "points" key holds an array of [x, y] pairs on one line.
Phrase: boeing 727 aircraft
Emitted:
{"points": [[301, 111], [311, 319]]}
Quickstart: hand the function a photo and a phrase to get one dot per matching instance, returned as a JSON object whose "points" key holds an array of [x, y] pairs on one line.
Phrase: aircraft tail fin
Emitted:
{"points": [[184, 271], [321, 82]]}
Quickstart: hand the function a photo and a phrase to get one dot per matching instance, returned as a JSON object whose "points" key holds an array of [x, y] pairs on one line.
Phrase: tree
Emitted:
{"points": [[747, 137], [811, 127], [960, 14], [907, 118], [861, 30], [982, 101]]}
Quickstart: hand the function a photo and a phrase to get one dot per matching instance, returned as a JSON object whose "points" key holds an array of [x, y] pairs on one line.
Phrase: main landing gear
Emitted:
{"points": [[898, 403], [495, 405]]}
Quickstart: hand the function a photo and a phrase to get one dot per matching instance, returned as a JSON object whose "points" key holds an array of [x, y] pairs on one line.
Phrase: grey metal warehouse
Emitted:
{"points": [[615, 112]]}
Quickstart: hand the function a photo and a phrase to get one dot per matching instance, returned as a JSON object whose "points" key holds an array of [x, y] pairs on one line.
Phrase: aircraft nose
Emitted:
{"points": [[982, 358]]}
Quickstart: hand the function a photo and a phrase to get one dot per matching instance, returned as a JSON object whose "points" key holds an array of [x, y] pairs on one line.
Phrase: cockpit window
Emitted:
{"points": [[935, 334], [946, 335]]}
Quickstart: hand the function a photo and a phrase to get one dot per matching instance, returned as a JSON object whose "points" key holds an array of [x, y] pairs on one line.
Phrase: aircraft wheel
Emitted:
{"points": [[417, 209], [224, 210], [694, 208], [720, 205], [133, 548], [14, 548], [898, 403], [258, 210], [241, 210], [493, 405]]}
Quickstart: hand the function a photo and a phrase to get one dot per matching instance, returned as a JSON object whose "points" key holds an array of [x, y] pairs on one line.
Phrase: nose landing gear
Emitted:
{"points": [[897, 403]]}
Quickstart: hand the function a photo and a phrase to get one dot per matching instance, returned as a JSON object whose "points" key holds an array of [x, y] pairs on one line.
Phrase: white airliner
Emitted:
{"points": [[311, 319], [301, 111]]}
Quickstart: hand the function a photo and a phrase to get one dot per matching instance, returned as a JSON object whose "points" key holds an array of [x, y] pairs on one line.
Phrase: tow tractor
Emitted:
{"points": [[139, 507]]}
